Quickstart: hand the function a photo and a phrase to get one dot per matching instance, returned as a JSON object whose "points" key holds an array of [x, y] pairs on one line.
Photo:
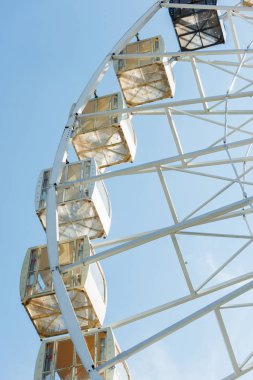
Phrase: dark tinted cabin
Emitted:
{"points": [[197, 28]]}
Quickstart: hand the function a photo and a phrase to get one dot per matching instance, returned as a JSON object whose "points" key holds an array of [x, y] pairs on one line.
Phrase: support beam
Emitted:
{"points": [[227, 341], [200, 112], [165, 161], [243, 372], [181, 301], [225, 264], [124, 239], [175, 327], [173, 237], [234, 32], [158, 234], [178, 103], [174, 134], [180, 54], [199, 82]]}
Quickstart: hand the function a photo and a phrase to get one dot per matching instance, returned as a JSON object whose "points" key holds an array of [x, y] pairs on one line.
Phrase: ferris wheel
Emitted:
{"points": [[202, 91]]}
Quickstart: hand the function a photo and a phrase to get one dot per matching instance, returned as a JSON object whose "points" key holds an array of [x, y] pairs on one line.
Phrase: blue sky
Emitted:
{"points": [[49, 51]]}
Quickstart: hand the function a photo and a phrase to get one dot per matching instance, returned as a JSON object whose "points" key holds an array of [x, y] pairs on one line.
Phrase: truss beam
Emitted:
{"points": [[176, 326], [177, 54], [160, 233]]}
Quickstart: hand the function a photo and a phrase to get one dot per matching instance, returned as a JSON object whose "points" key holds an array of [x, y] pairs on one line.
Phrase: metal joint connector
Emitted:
{"points": [[91, 369], [55, 269], [50, 185]]}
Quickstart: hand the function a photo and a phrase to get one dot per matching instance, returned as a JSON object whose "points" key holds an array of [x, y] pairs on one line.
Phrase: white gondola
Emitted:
{"points": [[145, 80], [83, 208], [248, 3], [197, 28], [109, 139], [86, 288], [57, 359]]}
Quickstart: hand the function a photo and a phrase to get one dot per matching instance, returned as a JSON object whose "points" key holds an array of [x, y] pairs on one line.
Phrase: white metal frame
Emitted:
{"points": [[184, 162]]}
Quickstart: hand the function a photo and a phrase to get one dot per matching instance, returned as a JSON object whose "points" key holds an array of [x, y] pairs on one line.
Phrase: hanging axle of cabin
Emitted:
{"points": [[57, 359], [85, 285], [110, 140], [197, 28], [83, 208], [145, 80]]}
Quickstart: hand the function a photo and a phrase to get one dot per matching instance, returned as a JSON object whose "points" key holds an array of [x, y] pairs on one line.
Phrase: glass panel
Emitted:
{"points": [[103, 104], [74, 172], [131, 49], [44, 281], [90, 341], [43, 259], [101, 347], [60, 194], [64, 172], [145, 46], [98, 278], [73, 192], [66, 252], [33, 260], [102, 122], [131, 63], [76, 277], [43, 198], [90, 107], [156, 45], [31, 277], [81, 374], [64, 354], [86, 169], [46, 176], [101, 188], [48, 360], [114, 102], [79, 250], [45, 183], [66, 277]]}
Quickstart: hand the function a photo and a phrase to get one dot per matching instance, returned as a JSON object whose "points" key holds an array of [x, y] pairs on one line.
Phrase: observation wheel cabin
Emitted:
{"points": [[145, 80], [57, 359], [85, 285], [83, 208], [110, 140], [197, 28], [248, 3]]}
